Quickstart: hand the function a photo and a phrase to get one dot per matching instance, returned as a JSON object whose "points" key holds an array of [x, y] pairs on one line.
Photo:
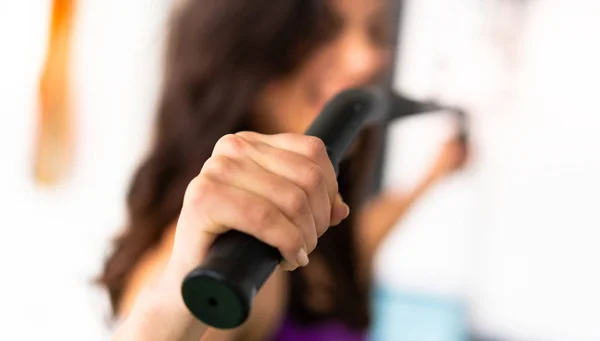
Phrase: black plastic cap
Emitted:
{"points": [[214, 300]]}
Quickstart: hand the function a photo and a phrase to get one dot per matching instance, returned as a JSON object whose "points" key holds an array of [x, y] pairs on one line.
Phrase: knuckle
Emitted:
{"points": [[287, 137], [247, 135], [297, 202], [315, 148], [322, 222], [219, 165], [198, 190], [231, 143], [264, 215], [314, 177], [311, 244], [321, 231]]}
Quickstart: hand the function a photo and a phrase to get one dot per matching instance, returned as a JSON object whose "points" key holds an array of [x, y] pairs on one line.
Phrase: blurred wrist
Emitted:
{"points": [[166, 294], [161, 313], [434, 175]]}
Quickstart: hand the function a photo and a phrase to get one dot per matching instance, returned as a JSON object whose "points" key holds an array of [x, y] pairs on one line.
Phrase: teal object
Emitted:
{"points": [[403, 316]]}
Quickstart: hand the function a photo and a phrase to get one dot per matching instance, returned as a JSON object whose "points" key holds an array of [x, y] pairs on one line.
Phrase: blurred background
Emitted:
{"points": [[505, 249]]}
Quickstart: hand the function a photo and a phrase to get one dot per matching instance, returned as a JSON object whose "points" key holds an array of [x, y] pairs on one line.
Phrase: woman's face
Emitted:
{"points": [[356, 54]]}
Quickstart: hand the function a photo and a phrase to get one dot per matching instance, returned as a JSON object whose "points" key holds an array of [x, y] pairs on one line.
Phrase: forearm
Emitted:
{"points": [[382, 213], [159, 314]]}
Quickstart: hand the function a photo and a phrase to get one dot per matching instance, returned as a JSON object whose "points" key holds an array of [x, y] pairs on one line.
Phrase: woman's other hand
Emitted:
{"points": [[452, 156]]}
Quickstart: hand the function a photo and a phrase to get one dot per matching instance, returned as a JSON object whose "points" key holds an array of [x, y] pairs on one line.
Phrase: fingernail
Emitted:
{"points": [[287, 266], [302, 257]]}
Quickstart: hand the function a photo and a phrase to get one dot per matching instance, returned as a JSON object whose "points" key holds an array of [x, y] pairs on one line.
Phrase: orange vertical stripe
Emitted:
{"points": [[54, 147]]}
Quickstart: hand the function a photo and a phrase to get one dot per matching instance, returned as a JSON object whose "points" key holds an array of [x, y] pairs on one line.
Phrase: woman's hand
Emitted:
{"points": [[380, 214], [451, 157], [281, 189]]}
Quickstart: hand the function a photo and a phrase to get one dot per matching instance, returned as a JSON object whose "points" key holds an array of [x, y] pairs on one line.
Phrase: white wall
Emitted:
{"points": [[516, 231], [528, 258], [52, 240]]}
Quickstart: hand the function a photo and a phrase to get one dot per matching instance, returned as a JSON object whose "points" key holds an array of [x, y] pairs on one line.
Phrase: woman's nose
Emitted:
{"points": [[357, 62], [360, 59]]}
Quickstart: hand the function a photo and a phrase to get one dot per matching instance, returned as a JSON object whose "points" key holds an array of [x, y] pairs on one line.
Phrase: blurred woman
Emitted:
{"points": [[267, 67]]}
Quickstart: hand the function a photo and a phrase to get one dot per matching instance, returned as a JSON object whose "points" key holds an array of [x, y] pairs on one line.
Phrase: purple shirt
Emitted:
{"points": [[327, 331]]}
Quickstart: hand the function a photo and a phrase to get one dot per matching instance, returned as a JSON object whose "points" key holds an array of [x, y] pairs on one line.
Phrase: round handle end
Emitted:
{"points": [[214, 300]]}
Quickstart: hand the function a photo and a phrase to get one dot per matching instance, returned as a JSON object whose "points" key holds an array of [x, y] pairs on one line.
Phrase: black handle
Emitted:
{"points": [[401, 107], [220, 292], [463, 125]]}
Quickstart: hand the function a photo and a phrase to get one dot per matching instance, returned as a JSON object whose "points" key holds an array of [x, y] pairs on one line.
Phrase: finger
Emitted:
{"points": [[304, 173], [287, 196], [219, 207], [287, 266], [339, 211], [308, 146]]}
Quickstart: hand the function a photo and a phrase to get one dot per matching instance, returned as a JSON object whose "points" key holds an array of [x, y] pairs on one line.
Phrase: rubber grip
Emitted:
{"points": [[220, 291]]}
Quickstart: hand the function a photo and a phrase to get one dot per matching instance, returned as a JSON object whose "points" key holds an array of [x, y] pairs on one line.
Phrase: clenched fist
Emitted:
{"points": [[281, 189]]}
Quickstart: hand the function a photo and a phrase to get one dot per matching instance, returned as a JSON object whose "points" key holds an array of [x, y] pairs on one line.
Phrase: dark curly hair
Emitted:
{"points": [[220, 54]]}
